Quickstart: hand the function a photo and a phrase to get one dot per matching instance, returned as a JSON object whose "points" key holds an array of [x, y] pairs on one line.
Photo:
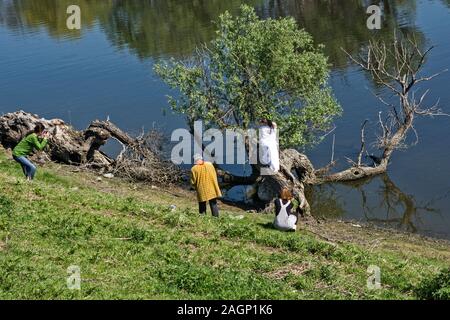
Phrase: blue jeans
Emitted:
{"points": [[29, 169]]}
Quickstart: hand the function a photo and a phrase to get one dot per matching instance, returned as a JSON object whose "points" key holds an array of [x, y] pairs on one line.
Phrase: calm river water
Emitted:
{"points": [[106, 70]]}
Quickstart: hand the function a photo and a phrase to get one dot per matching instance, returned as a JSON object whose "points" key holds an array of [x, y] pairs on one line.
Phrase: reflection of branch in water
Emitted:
{"points": [[394, 200], [325, 201], [388, 205]]}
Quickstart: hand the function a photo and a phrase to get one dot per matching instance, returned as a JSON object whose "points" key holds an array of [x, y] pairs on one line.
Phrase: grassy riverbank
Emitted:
{"points": [[130, 244]]}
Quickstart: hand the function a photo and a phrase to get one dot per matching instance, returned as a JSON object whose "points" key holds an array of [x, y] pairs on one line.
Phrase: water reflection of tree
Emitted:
{"points": [[326, 202], [175, 27], [51, 14], [342, 24], [166, 27], [148, 27], [391, 207]]}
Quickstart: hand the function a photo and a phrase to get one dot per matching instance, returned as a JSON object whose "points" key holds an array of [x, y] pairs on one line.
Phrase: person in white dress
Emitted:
{"points": [[269, 149]]}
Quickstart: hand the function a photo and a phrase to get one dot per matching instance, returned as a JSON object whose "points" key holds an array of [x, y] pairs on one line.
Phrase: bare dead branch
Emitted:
{"points": [[363, 143]]}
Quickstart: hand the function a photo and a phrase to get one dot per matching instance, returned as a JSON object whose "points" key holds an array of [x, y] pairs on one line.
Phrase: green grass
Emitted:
{"points": [[129, 244]]}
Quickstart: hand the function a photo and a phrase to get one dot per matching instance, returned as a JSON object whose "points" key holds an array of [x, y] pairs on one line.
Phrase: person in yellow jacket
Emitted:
{"points": [[204, 180]]}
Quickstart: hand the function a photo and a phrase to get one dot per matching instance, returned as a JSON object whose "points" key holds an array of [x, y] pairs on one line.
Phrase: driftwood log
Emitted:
{"points": [[66, 144], [138, 160]]}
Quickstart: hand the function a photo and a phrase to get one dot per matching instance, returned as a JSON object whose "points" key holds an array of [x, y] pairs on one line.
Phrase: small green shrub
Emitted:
{"points": [[436, 287], [327, 274], [138, 235]]}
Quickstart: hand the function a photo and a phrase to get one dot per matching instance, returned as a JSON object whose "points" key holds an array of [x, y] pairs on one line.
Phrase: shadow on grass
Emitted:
{"points": [[269, 226]]}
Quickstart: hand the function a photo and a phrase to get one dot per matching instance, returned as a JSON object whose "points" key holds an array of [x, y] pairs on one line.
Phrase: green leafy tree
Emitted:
{"points": [[253, 69]]}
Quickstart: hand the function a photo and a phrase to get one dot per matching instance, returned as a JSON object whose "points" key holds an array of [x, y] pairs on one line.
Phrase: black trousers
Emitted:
{"points": [[212, 205]]}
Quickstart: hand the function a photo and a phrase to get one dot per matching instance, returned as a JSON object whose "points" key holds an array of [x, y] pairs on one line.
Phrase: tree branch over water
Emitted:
{"points": [[396, 66]]}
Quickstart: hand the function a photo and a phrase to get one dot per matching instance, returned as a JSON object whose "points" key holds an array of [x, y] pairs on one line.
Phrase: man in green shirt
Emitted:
{"points": [[37, 140]]}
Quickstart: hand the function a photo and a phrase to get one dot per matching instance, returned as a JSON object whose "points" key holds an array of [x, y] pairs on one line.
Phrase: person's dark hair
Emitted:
{"points": [[268, 122], [39, 128]]}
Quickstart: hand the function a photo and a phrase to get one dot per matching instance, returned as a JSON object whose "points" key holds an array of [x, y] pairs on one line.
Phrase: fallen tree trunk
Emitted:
{"points": [[138, 159], [66, 145]]}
